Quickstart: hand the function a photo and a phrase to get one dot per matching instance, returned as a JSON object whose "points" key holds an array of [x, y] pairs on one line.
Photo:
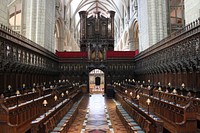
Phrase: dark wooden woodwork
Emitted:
{"points": [[179, 112], [175, 57], [41, 124], [20, 58], [17, 112], [96, 29], [155, 123]]}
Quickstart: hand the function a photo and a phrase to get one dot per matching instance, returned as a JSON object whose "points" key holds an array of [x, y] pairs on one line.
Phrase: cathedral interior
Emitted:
{"points": [[99, 66]]}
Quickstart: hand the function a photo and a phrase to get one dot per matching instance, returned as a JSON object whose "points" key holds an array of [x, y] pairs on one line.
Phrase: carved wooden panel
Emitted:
{"points": [[176, 56]]}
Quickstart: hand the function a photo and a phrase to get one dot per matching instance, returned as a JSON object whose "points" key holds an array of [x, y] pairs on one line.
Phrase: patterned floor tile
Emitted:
{"points": [[97, 115]]}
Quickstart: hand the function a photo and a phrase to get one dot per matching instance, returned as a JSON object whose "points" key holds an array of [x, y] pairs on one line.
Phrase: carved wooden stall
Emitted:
{"points": [[175, 59], [17, 118], [24, 62], [152, 122], [176, 117], [47, 122]]}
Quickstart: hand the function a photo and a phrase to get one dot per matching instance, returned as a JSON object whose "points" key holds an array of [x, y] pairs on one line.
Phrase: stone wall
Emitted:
{"points": [[152, 20], [39, 22], [192, 10], [143, 25], [3, 12]]}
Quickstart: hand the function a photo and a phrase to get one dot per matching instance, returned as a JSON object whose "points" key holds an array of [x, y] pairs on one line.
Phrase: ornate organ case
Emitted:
{"points": [[96, 34]]}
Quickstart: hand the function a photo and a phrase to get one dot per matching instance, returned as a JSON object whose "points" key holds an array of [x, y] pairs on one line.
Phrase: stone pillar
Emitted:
{"points": [[60, 44], [131, 44], [39, 22], [152, 20]]}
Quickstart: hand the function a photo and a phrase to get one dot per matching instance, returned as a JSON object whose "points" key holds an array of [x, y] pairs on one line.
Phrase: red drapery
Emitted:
{"points": [[71, 54], [109, 54], [121, 54]]}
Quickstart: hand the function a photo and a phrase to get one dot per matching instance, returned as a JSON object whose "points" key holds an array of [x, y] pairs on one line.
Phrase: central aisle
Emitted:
{"points": [[97, 114], [97, 118]]}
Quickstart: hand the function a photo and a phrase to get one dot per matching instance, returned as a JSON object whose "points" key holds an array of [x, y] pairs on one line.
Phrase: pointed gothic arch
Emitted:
{"points": [[59, 35], [134, 35]]}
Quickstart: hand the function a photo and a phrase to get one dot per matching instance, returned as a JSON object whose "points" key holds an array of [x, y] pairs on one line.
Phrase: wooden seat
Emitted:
{"points": [[178, 112], [136, 119], [67, 120], [62, 116], [127, 120]]}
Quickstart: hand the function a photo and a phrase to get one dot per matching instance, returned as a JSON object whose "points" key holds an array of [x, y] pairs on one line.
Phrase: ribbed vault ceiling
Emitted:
{"points": [[93, 6]]}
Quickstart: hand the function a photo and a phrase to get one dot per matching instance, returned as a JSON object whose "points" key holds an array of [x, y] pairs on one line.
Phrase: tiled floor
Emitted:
{"points": [[97, 115], [78, 122], [116, 122]]}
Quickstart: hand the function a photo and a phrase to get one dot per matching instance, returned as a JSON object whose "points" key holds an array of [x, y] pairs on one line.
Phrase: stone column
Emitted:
{"points": [[131, 44], [39, 22], [152, 20]]}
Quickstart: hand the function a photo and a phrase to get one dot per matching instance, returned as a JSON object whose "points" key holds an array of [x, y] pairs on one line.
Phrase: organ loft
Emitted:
{"points": [[99, 66], [96, 36]]}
